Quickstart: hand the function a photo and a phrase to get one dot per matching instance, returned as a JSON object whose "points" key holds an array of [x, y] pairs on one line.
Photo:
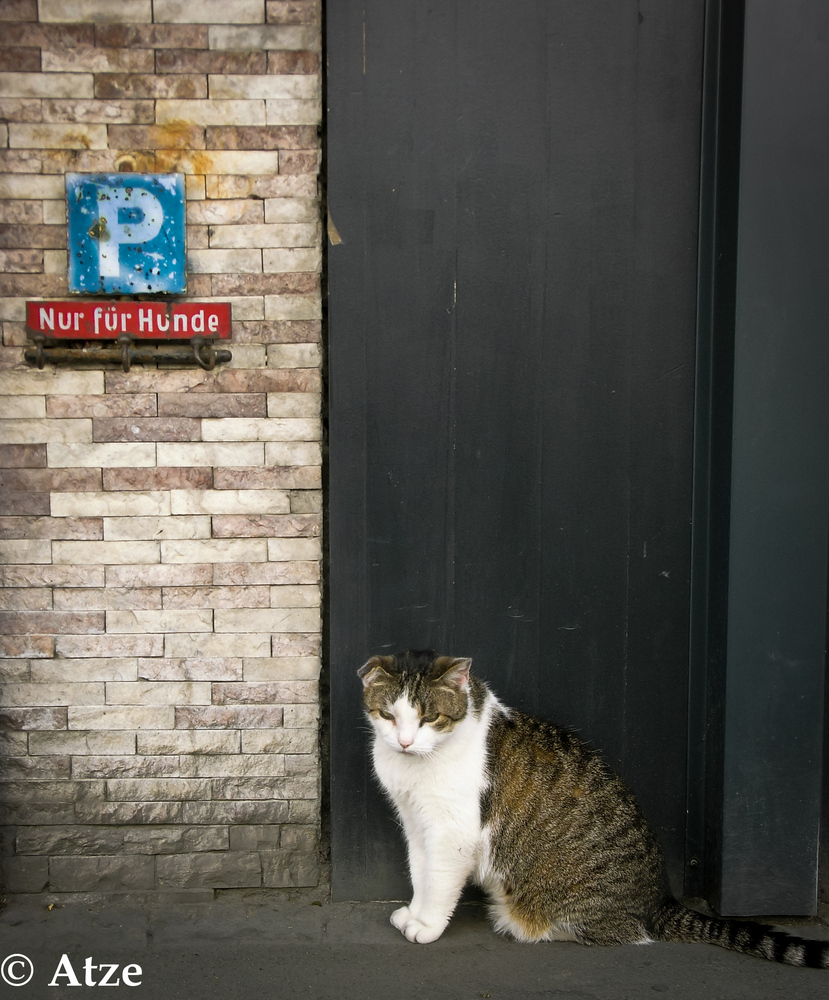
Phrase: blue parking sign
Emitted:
{"points": [[126, 233]]}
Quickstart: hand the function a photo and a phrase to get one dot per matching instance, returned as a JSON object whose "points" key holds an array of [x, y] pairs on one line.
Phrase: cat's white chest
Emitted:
{"points": [[438, 797]]}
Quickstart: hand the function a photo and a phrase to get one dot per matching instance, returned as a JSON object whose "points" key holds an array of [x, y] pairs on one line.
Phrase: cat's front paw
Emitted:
{"points": [[400, 918], [421, 933], [413, 929]]}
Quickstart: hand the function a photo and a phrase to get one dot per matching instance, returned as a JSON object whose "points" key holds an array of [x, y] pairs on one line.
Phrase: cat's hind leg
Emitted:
{"points": [[525, 918], [529, 918]]}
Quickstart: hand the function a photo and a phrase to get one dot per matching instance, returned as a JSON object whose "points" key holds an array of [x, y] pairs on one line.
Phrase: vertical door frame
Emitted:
{"points": [[761, 532]]}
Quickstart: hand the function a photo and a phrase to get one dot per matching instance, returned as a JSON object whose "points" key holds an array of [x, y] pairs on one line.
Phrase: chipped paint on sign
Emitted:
{"points": [[126, 233]]}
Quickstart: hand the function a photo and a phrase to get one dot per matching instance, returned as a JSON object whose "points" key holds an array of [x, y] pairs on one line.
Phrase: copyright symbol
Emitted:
{"points": [[17, 970]]}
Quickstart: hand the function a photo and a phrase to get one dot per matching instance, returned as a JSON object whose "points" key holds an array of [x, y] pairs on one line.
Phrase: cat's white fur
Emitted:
{"points": [[435, 781]]}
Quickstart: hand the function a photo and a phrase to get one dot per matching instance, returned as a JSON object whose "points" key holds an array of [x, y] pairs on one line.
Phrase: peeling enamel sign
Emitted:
{"points": [[126, 233]]}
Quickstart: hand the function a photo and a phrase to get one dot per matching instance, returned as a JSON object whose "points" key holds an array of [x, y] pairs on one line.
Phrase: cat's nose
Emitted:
{"points": [[405, 740]]}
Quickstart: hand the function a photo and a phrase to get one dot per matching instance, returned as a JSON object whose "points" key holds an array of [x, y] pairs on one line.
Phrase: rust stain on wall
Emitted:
{"points": [[178, 132], [137, 161]]}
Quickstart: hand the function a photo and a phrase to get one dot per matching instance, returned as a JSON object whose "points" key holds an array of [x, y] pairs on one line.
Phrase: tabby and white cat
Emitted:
{"points": [[531, 814]]}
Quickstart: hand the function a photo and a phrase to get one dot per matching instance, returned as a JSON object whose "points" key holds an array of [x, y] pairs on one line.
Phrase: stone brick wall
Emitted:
{"points": [[160, 529]]}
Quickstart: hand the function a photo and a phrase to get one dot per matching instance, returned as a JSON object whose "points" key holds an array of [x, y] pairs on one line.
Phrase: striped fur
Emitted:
{"points": [[676, 922], [532, 814]]}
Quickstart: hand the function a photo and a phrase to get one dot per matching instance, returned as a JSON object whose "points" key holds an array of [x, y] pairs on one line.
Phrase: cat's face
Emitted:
{"points": [[414, 701]]}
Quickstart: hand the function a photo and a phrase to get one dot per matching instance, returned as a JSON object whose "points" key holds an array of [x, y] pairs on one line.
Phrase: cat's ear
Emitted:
{"points": [[456, 673], [373, 671]]}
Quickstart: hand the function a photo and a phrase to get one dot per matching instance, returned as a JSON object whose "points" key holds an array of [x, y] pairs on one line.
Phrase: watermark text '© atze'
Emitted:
{"points": [[100, 974], [18, 970]]}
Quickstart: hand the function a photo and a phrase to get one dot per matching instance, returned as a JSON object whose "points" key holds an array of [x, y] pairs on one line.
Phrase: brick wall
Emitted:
{"points": [[160, 529]]}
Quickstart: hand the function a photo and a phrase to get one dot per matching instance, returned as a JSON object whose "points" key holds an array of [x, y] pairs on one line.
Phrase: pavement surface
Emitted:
{"points": [[291, 944]]}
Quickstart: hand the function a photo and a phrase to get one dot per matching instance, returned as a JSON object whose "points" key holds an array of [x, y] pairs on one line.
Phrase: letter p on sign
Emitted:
{"points": [[126, 233]]}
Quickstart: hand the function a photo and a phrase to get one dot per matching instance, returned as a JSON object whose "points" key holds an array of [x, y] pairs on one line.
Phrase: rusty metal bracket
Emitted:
{"points": [[125, 354], [198, 344], [125, 340], [40, 341]]}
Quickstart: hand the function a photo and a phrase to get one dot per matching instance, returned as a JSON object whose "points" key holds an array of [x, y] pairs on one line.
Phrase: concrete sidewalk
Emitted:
{"points": [[295, 944]]}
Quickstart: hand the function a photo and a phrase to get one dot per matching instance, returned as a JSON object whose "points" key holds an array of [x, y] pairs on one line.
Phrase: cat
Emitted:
{"points": [[530, 813]]}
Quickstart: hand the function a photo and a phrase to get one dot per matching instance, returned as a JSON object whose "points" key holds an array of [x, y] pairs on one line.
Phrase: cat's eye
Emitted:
{"points": [[431, 717], [385, 715]]}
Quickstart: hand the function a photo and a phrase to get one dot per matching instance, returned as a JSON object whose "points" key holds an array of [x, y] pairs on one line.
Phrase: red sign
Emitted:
{"points": [[144, 320]]}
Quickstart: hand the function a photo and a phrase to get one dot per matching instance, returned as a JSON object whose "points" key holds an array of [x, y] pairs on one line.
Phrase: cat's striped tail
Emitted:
{"points": [[677, 923]]}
